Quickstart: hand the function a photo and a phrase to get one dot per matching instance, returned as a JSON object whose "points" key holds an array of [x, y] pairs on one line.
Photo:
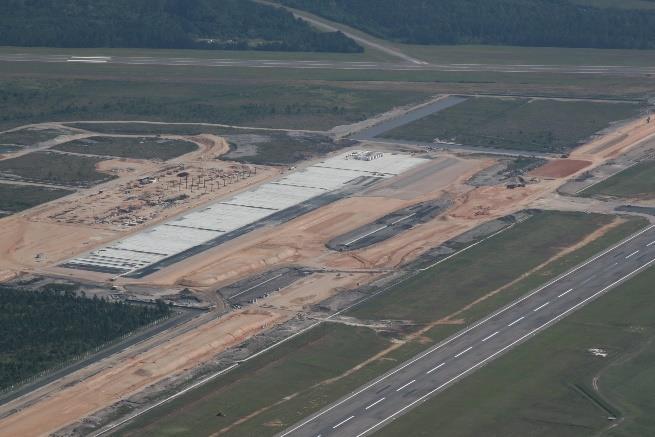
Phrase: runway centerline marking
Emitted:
{"points": [[509, 346], [490, 336], [406, 385], [467, 330], [374, 403], [258, 285], [342, 422], [566, 292], [650, 244], [632, 254], [516, 321], [463, 352], [540, 307], [435, 368]]}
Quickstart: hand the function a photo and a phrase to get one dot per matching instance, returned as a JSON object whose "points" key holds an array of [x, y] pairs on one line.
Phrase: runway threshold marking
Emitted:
{"points": [[435, 368], [342, 422], [516, 321], [632, 254], [540, 307], [490, 336], [463, 352], [374, 404], [509, 346], [463, 332], [406, 385], [565, 293]]}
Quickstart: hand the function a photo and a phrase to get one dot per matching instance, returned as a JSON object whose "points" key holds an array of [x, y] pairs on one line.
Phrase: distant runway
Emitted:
{"points": [[377, 404], [614, 70]]}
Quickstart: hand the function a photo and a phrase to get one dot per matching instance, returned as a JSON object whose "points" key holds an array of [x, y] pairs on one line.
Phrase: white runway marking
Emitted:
{"points": [[566, 292], [258, 285], [366, 235], [490, 336], [374, 404], [509, 346], [467, 330], [540, 307], [463, 352], [406, 385], [342, 422], [435, 368], [632, 254], [516, 321], [650, 244]]}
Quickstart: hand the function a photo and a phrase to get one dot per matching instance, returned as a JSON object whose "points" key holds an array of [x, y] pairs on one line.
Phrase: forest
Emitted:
{"points": [[47, 327], [178, 24], [554, 23]]}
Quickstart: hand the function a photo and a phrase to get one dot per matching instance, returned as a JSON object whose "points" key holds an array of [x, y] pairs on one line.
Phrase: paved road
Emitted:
{"points": [[375, 405], [330, 65]]}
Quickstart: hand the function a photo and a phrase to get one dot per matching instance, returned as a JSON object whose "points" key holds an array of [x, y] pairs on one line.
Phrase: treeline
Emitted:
{"points": [[42, 329], [556, 23], [181, 24]]}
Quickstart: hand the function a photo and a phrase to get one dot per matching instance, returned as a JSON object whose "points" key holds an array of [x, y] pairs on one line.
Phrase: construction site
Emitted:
{"points": [[259, 247]]}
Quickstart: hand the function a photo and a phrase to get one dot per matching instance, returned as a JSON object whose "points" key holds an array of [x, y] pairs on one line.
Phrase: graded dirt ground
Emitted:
{"points": [[282, 400], [559, 168], [472, 206]]}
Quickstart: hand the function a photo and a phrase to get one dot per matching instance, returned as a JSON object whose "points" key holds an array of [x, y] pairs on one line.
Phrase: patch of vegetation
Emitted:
{"points": [[545, 387], [636, 182], [291, 106], [54, 168], [48, 327], [16, 198], [539, 23], [138, 148], [259, 383], [441, 290], [197, 412], [533, 125], [280, 148], [203, 24], [29, 136]]}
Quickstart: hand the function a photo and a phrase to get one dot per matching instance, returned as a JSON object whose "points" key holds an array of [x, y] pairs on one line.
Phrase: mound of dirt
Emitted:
{"points": [[559, 168]]}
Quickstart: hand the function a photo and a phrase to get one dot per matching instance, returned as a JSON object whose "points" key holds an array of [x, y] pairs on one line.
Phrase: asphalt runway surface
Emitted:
{"points": [[618, 70], [388, 226], [251, 289], [373, 406]]}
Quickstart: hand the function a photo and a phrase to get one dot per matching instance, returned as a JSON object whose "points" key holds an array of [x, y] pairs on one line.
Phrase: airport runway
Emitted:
{"points": [[333, 65], [407, 386]]}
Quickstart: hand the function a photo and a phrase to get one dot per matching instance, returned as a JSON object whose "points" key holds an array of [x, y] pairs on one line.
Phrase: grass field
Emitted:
{"points": [[293, 106], [280, 148], [624, 4], [29, 136], [636, 182], [249, 145], [138, 148], [16, 198], [279, 388], [535, 125], [544, 387], [54, 168], [429, 82]]}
